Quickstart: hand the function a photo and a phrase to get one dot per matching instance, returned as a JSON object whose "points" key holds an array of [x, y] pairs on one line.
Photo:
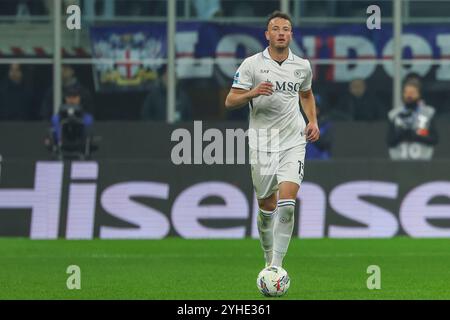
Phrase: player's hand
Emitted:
{"points": [[312, 132], [263, 89]]}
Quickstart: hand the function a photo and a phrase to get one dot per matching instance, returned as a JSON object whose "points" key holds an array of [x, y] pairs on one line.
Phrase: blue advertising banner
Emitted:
{"points": [[205, 50]]}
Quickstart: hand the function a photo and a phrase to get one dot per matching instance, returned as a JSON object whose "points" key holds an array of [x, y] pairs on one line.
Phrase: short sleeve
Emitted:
{"points": [[243, 79], [306, 84]]}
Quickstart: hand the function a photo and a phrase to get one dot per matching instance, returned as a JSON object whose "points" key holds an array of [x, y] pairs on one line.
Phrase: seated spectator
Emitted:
{"points": [[155, 103], [412, 132], [360, 104], [15, 97], [68, 80], [321, 149]]}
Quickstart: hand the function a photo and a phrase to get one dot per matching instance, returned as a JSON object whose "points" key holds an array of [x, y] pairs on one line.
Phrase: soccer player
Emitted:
{"points": [[272, 82]]}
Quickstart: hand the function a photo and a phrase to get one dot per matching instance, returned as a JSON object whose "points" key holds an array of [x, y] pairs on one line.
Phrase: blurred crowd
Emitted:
{"points": [[412, 130], [21, 100]]}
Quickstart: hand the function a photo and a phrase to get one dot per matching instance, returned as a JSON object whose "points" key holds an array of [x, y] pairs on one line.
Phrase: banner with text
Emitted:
{"points": [[148, 200], [206, 50]]}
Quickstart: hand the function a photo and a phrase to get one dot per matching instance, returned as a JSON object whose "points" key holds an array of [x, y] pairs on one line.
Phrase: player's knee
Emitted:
{"points": [[288, 190], [268, 206], [269, 203]]}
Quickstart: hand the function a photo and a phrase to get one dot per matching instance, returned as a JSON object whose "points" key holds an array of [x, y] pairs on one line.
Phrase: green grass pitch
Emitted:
{"points": [[182, 269]]}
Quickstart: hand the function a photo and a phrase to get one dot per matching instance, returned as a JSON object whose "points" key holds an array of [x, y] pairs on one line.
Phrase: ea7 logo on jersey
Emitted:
{"points": [[299, 73], [264, 71]]}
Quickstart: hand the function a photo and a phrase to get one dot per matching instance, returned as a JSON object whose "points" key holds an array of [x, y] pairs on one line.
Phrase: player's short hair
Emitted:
{"points": [[278, 14]]}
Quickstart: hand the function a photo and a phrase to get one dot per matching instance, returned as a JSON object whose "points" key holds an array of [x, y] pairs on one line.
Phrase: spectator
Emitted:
{"points": [[154, 107], [15, 97], [321, 149], [360, 105], [412, 131], [207, 9], [68, 80]]}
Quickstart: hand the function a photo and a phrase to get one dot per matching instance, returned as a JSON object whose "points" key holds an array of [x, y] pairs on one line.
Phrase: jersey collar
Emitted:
{"points": [[267, 55]]}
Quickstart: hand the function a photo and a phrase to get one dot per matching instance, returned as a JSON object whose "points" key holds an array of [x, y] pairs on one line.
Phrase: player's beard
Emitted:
{"points": [[280, 46]]}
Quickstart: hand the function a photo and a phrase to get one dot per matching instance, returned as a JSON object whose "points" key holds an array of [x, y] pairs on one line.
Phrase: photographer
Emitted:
{"points": [[69, 80], [412, 133], [71, 128]]}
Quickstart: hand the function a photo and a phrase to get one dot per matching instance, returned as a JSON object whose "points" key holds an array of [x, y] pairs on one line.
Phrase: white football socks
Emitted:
{"points": [[265, 221], [282, 231]]}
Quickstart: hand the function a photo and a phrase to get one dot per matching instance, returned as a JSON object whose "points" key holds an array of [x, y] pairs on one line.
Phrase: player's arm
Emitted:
{"points": [[309, 106], [237, 98]]}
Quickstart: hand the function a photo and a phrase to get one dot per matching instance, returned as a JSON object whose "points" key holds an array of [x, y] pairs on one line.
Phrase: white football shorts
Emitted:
{"points": [[269, 169]]}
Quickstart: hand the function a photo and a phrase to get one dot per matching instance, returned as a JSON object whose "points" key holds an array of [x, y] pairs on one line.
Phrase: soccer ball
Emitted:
{"points": [[273, 281]]}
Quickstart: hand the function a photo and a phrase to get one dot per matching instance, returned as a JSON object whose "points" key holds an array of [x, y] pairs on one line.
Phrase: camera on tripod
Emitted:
{"points": [[71, 135]]}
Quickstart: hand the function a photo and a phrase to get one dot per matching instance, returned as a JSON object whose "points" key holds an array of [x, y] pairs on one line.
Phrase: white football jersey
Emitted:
{"points": [[276, 122]]}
